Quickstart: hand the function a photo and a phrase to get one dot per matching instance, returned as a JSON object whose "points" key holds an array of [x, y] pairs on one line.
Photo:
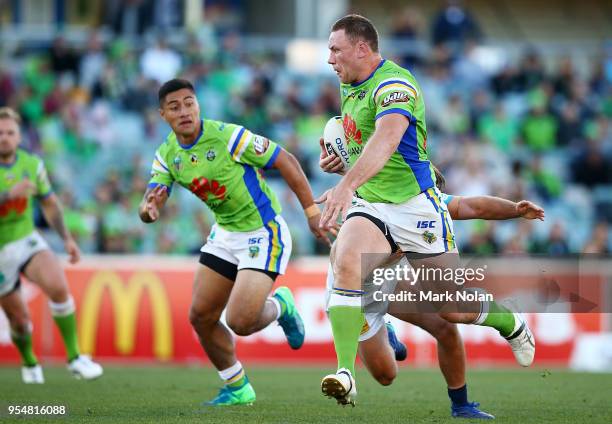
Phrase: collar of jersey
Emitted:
{"points": [[356, 84], [8, 165], [189, 146]]}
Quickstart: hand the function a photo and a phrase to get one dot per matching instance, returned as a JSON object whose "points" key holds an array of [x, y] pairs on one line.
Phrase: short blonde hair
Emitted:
{"points": [[9, 113]]}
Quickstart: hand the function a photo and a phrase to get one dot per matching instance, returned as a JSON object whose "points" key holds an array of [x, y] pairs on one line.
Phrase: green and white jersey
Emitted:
{"points": [[17, 215], [221, 169], [389, 89]]}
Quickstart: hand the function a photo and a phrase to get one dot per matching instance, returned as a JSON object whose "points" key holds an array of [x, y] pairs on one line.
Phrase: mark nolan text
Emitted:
{"points": [[432, 296]]}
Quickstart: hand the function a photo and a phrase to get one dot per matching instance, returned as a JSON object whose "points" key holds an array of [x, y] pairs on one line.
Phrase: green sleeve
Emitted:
{"points": [[43, 186], [160, 172], [252, 149], [395, 95]]}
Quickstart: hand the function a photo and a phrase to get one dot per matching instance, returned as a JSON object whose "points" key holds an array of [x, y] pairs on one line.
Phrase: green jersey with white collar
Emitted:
{"points": [[222, 168]]}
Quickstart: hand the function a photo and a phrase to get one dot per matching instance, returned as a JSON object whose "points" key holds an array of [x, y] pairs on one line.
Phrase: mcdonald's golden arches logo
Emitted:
{"points": [[125, 300]]}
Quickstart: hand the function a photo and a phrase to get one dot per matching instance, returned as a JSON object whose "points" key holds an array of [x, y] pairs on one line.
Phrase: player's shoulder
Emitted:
{"points": [[391, 72], [168, 145], [230, 134], [26, 158], [219, 129]]}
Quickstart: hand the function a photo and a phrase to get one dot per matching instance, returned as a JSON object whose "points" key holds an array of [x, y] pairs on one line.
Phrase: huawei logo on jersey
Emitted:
{"points": [[202, 188], [350, 130], [18, 205]]}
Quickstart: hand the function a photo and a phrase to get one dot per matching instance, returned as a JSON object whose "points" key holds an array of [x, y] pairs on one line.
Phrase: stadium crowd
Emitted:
{"points": [[522, 131]]}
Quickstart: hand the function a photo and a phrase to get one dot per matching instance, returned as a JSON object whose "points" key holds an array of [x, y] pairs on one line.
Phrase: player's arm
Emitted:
{"points": [[291, 171], [385, 140], [332, 164], [158, 189], [492, 208], [378, 150], [23, 188], [153, 201], [54, 215]]}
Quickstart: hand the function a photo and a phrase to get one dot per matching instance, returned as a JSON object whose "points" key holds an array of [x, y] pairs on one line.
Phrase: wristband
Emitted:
{"points": [[312, 210]]}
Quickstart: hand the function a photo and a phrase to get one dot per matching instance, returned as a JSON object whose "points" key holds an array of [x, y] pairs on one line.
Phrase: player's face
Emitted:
{"points": [[9, 137], [181, 111], [343, 56]]}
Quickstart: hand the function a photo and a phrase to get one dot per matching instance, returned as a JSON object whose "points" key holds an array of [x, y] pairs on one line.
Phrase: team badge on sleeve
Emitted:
{"points": [[260, 144], [395, 97]]}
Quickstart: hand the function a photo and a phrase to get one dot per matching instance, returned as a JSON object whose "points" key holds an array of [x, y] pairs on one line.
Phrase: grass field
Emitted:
{"points": [[292, 395]]}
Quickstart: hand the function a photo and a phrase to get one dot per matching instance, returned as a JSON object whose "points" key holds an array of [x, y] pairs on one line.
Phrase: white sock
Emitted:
{"points": [[230, 372], [62, 309], [484, 312], [278, 306], [341, 297]]}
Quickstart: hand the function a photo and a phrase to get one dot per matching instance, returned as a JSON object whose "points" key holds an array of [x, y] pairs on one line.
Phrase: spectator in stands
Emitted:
{"points": [[531, 72], [130, 17], [7, 86], [505, 81], [597, 81], [159, 62], [555, 245], [598, 243], [499, 129], [454, 25], [92, 62], [539, 127], [482, 241], [63, 58], [592, 166], [570, 125], [565, 77], [406, 29], [546, 183], [456, 120]]}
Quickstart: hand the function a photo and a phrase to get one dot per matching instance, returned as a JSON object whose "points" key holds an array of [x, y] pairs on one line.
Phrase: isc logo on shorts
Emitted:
{"points": [[426, 224], [255, 240]]}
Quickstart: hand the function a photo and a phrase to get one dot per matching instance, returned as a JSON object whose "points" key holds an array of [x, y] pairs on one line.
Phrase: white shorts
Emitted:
{"points": [[422, 224], [373, 320], [267, 248], [14, 256]]}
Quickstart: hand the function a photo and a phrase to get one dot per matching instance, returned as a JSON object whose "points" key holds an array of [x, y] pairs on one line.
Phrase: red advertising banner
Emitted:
{"points": [[136, 309]]}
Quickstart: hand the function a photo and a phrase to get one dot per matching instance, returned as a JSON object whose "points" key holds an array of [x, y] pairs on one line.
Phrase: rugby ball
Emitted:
{"points": [[335, 141]]}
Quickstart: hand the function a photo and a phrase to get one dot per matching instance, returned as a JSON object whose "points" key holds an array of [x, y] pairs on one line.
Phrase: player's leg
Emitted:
{"points": [[510, 325], [211, 290], [423, 227], [21, 333], [263, 255], [212, 287], [376, 353], [358, 236], [250, 307], [451, 359], [44, 270]]}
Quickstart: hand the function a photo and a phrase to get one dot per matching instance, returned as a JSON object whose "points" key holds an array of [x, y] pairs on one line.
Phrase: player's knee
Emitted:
{"points": [[386, 377], [20, 323], [57, 292], [200, 320], [241, 325], [446, 332], [345, 273], [456, 317]]}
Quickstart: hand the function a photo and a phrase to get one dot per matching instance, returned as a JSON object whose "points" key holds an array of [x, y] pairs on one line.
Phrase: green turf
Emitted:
{"points": [[292, 395]]}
